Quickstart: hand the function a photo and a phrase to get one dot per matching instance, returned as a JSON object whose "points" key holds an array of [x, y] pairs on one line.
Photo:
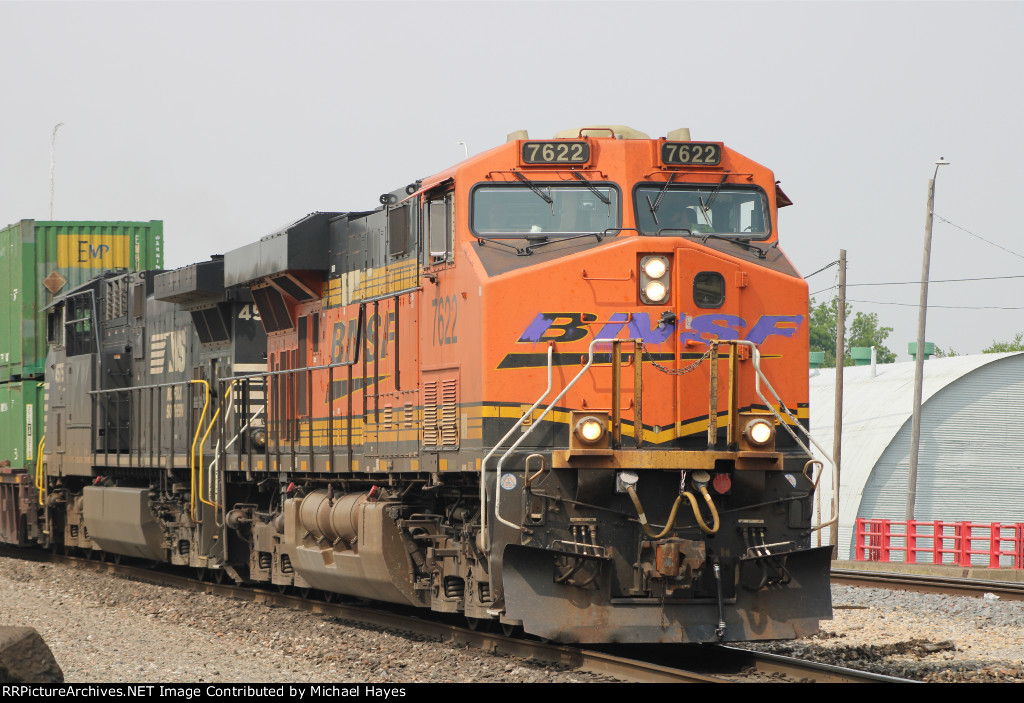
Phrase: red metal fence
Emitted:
{"points": [[936, 542]]}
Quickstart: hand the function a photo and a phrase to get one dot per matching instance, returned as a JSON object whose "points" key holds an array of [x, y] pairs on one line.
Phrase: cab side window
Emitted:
{"points": [[399, 228], [78, 326], [439, 225]]}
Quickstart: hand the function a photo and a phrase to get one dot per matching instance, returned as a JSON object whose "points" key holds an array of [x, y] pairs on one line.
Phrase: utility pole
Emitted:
{"points": [[837, 425], [915, 434], [53, 151]]}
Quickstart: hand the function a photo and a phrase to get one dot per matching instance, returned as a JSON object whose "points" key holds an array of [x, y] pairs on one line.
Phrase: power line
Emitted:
{"points": [[948, 307], [944, 280], [917, 283], [963, 229], [947, 280], [821, 269]]}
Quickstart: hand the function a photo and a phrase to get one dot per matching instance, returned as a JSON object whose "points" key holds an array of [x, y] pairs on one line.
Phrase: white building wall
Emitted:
{"points": [[971, 460], [876, 430]]}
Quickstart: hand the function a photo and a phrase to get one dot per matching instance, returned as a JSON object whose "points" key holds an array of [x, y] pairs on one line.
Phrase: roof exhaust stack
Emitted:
{"points": [[604, 131], [679, 135], [517, 135]]}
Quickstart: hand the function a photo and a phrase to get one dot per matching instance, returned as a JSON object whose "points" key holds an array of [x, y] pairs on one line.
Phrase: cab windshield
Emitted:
{"points": [[537, 209], [726, 211]]}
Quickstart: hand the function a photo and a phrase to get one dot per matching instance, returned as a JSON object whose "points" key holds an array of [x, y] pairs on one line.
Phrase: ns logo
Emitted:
{"points": [[167, 352]]}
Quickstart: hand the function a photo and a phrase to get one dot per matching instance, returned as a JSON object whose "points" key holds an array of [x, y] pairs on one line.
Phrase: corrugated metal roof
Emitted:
{"points": [[971, 461], [875, 408]]}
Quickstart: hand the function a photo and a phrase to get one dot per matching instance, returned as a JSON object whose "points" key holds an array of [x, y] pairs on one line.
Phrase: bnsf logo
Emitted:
{"points": [[575, 326]]}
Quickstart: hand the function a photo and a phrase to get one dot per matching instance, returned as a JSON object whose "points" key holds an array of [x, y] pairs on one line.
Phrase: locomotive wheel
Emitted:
{"points": [[305, 593], [511, 630], [219, 575], [201, 573], [282, 588], [479, 624]]}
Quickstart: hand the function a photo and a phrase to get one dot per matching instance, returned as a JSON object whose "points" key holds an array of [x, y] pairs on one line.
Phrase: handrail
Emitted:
{"points": [[209, 427], [758, 377], [497, 477], [484, 541], [238, 434], [192, 458], [40, 480]]}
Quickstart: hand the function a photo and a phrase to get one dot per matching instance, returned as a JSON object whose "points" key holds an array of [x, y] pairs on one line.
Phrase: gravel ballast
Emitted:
{"points": [[104, 629], [925, 636]]}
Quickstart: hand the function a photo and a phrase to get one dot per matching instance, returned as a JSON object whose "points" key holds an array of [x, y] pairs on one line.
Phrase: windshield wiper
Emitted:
{"points": [[593, 189], [543, 243], [711, 199], [535, 188], [481, 241], [657, 203], [537, 240], [757, 251]]}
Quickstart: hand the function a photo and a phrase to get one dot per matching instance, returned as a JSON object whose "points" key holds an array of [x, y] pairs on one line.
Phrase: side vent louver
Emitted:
{"points": [[441, 412], [431, 432], [449, 413]]}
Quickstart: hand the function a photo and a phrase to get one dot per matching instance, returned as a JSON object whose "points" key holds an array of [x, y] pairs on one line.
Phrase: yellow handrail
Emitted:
{"points": [[203, 441], [40, 480], [199, 428]]}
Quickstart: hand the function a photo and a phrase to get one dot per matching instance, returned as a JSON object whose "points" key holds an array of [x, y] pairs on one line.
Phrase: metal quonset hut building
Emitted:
{"points": [[971, 458]]}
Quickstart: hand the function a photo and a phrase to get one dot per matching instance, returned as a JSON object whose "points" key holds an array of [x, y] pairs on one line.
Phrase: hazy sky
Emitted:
{"points": [[228, 120]]}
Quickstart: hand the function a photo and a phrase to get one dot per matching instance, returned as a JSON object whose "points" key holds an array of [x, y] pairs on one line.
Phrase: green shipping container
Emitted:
{"points": [[41, 259], [21, 422]]}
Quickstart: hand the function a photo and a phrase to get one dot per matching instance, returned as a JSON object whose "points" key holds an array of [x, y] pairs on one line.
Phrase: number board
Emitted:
{"points": [[691, 153], [555, 152]]}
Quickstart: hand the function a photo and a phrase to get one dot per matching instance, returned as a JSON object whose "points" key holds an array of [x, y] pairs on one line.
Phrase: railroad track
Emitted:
{"points": [[639, 663], [925, 583]]}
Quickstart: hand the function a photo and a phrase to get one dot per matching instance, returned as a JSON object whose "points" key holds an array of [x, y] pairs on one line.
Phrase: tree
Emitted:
{"points": [[822, 326], [998, 347], [862, 331], [865, 332]]}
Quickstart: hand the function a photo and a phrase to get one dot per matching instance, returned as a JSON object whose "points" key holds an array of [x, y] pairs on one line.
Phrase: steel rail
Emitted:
{"points": [[928, 583], [807, 671]]}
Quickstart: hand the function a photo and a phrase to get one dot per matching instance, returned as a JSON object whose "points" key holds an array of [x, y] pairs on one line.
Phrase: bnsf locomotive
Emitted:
{"points": [[557, 386]]}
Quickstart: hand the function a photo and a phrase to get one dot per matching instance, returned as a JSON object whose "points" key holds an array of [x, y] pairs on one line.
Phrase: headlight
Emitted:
{"points": [[258, 436], [655, 267], [590, 430], [655, 291], [654, 279], [759, 432]]}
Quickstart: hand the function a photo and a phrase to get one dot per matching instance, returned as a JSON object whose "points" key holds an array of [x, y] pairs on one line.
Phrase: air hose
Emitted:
{"points": [[715, 524]]}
